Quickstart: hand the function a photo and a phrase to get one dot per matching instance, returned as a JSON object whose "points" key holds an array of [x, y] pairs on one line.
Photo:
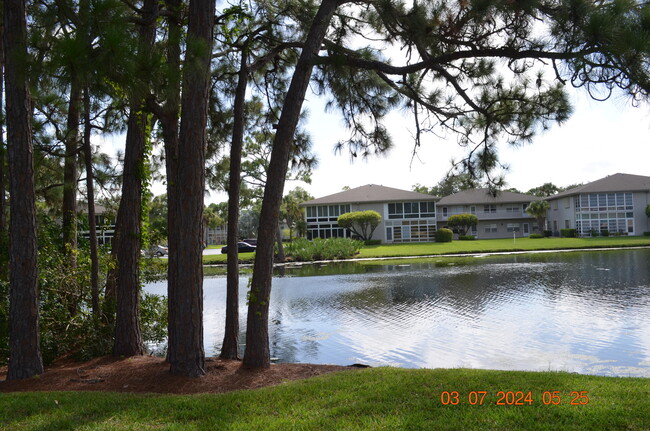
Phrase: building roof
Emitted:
{"points": [[370, 193], [611, 183], [483, 196]]}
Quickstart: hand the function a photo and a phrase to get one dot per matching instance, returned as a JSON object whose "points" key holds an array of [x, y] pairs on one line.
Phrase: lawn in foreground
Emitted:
{"points": [[373, 399]]}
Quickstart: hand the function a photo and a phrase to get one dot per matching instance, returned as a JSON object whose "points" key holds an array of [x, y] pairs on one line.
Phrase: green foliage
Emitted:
{"points": [[647, 210], [466, 237], [292, 213], [568, 233], [303, 250], [444, 235], [372, 242], [450, 184], [153, 317], [462, 222], [536, 236], [646, 233], [537, 208], [362, 223], [545, 190]]}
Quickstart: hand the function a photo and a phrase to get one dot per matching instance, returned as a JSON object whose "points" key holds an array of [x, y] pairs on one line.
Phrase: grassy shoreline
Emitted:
{"points": [[433, 249], [373, 399]]}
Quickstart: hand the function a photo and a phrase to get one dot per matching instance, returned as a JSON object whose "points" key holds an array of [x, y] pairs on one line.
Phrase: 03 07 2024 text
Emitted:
{"points": [[514, 398]]}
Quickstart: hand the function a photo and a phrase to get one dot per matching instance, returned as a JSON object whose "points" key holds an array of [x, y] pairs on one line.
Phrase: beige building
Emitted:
{"points": [[615, 204], [406, 216], [500, 215]]}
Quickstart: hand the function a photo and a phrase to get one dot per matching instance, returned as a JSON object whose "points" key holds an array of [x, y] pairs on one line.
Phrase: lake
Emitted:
{"points": [[585, 312]]}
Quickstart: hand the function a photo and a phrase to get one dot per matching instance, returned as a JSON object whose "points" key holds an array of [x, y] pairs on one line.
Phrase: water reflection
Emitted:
{"points": [[584, 312]]}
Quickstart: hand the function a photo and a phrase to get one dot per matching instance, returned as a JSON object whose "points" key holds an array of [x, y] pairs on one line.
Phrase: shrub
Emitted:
{"points": [[462, 222], [646, 233], [304, 250], [568, 233], [466, 237], [362, 223], [372, 242], [548, 233], [604, 232], [444, 235], [536, 235]]}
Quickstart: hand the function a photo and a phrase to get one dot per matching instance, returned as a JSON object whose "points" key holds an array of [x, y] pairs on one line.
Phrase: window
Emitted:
{"points": [[489, 208], [513, 227], [491, 228], [411, 210], [444, 211], [567, 224], [604, 211]]}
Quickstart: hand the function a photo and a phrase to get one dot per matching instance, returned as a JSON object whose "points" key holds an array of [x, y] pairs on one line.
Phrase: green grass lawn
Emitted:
{"points": [[373, 399], [496, 245]]}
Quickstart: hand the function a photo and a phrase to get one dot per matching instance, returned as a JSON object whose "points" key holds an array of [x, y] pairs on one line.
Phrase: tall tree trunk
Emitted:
{"points": [[92, 223], [24, 352], [70, 175], [230, 346], [257, 353], [168, 118], [3, 187], [185, 351], [128, 334]]}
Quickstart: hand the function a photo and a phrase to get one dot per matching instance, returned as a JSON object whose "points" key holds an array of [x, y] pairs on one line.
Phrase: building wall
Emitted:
{"points": [[641, 220], [502, 220], [618, 212], [561, 214], [393, 228]]}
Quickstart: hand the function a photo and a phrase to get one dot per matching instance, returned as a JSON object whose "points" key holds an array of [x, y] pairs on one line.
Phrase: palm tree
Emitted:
{"points": [[538, 210]]}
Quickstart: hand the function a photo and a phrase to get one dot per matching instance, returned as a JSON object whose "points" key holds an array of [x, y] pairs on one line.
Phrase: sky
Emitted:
{"points": [[599, 139]]}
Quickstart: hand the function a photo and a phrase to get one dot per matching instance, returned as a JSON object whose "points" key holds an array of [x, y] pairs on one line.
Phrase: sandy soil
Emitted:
{"points": [[150, 374]]}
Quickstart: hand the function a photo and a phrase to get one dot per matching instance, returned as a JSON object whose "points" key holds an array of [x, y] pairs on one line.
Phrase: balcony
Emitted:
{"points": [[497, 215]]}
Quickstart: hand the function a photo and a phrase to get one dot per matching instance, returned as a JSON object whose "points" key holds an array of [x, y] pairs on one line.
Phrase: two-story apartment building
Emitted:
{"points": [[615, 204], [406, 216], [500, 215]]}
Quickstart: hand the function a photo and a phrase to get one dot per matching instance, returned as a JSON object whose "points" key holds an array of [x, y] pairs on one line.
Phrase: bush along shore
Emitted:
{"points": [[341, 249]]}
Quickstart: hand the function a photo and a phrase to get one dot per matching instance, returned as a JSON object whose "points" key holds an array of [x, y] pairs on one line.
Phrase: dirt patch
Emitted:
{"points": [[151, 374]]}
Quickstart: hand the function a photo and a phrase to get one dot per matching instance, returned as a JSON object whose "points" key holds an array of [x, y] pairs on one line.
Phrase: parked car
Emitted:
{"points": [[156, 250], [242, 247], [251, 241]]}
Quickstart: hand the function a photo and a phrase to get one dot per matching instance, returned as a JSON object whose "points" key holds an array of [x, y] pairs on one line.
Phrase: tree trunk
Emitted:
{"points": [[92, 223], [185, 351], [168, 117], [70, 176], [128, 334], [3, 187], [24, 351], [257, 353], [230, 346]]}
